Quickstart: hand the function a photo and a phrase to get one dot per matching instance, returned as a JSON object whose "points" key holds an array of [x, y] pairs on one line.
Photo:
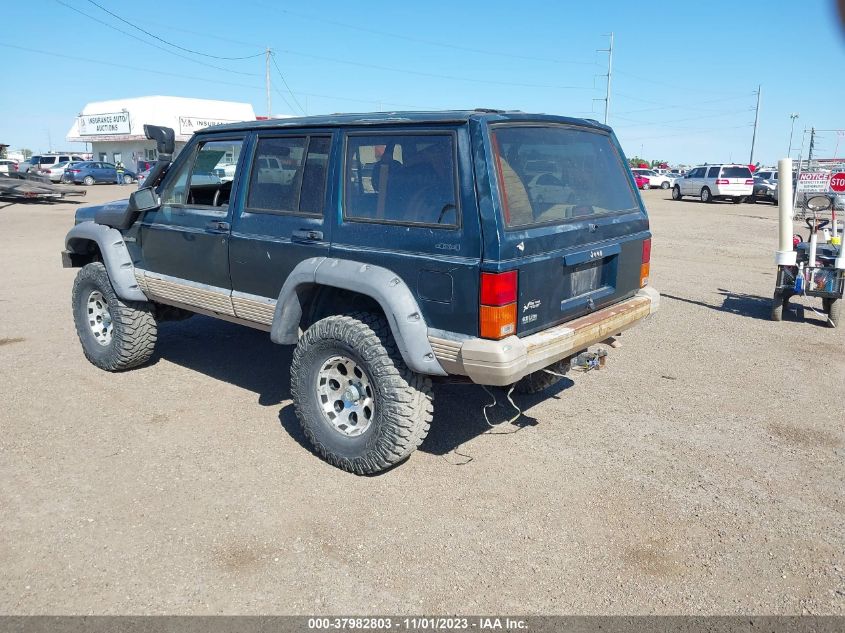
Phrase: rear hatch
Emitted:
{"points": [[577, 240], [735, 180]]}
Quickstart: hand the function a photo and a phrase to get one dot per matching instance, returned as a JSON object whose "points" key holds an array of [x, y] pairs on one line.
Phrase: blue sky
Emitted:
{"points": [[683, 82]]}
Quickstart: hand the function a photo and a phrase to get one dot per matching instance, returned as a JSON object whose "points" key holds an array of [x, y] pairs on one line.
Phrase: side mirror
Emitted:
{"points": [[144, 200], [818, 203]]}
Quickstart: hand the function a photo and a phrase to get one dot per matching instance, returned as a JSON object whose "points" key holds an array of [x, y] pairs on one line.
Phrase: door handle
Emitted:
{"points": [[217, 225], [307, 235]]}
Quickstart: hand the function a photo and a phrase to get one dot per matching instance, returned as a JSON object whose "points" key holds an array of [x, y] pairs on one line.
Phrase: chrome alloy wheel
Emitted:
{"points": [[345, 393], [99, 318]]}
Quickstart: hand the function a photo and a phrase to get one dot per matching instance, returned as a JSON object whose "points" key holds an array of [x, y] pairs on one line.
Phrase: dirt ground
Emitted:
{"points": [[701, 472]]}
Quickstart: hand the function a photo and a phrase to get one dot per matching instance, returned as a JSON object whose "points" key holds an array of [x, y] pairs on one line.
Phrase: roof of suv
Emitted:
{"points": [[402, 118]]}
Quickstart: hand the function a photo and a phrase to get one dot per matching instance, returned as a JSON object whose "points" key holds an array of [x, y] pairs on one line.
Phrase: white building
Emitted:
{"points": [[115, 129]]}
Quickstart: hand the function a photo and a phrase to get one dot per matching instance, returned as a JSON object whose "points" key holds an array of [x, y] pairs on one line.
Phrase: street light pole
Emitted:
{"points": [[792, 116]]}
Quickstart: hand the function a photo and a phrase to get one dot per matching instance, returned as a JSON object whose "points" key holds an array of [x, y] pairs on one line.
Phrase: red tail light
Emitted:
{"points": [[749, 182], [645, 267], [14, 166], [498, 289], [74, 171], [497, 312], [722, 181]]}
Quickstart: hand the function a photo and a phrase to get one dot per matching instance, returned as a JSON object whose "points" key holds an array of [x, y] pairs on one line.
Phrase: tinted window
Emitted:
{"points": [[289, 174], [197, 182], [713, 172], [736, 172], [402, 178], [592, 175]]}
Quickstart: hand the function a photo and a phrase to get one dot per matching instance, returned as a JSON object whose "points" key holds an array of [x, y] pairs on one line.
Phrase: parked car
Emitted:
{"points": [[44, 161], [641, 180], [437, 264], [57, 172], [548, 189], [8, 166], [716, 182], [765, 189], [91, 172], [654, 179]]}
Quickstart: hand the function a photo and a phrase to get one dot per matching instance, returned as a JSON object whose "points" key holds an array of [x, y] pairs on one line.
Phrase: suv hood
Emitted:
{"points": [[86, 214]]}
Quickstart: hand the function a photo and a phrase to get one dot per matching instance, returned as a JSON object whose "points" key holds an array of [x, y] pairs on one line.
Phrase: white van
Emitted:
{"points": [[715, 182]]}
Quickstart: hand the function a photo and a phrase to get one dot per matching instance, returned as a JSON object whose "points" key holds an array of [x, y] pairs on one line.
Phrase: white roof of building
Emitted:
{"points": [[124, 119]]}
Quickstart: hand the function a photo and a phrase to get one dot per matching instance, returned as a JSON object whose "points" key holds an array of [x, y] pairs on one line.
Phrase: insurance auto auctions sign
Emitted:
{"points": [[190, 124], [104, 124]]}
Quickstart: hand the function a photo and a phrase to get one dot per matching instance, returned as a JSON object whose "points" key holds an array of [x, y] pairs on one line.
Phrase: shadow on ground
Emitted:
{"points": [[246, 358], [757, 307]]}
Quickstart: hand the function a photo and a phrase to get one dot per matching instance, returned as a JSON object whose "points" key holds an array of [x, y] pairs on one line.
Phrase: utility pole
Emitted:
{"points": [[792, 116], [609, 51], [268, 52], [756, 118], [812, 145]]}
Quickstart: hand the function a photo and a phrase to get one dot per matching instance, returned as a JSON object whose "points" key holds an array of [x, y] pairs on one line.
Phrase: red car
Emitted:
{"points": [[642, 181]]}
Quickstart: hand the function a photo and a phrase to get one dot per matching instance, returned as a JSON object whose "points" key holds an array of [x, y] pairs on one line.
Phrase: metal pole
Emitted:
{"points": [[267, 81], [609, 74], [812, 146], [756, 118], [792, 116]]}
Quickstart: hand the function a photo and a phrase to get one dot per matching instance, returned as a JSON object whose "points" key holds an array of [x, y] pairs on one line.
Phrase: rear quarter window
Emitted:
{"points": [[592, 178]]}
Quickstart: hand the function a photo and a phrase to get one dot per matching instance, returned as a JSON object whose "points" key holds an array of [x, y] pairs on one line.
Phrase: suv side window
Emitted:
{"points": [[401, 178], [196, 183], [713, 172], [289, 175]]}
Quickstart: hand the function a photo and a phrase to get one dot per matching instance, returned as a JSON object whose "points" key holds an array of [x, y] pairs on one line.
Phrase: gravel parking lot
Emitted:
{"points": [[700, 472]]}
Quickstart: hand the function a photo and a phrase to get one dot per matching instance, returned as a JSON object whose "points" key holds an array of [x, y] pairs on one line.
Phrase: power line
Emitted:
{"points": [[680, 106], [284, 81], [142, 40], [405, 71], [692, 118], [128, 67], [419, 40], [182, 48]]}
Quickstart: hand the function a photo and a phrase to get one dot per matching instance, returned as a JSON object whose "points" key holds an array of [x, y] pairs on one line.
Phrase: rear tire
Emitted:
{"points": [[736, 199], [392, 405], [664, 184], [706, 196], [833, 309], [676, 193], [541, 380], [88, 180], [115, 334]]}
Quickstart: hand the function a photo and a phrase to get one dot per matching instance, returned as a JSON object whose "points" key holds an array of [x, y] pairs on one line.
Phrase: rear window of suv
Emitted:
{"points": [[736, 172], [591, 177]]}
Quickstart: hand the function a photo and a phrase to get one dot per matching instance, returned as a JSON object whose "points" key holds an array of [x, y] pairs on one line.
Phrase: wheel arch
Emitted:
{"points": [[89, 241], [311, 277]]}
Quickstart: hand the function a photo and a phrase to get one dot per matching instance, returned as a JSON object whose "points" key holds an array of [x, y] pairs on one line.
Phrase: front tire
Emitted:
{"points": [[706, 196], [360, 406], [115, 334], [127, 179], [664, 184]]}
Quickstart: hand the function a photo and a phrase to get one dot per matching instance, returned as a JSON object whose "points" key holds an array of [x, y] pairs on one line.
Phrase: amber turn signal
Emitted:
{"points": [[498, 321]]}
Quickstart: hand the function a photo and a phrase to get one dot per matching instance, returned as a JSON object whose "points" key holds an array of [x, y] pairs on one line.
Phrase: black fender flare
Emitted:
{"points": [[115, 254], [403, 314]]}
